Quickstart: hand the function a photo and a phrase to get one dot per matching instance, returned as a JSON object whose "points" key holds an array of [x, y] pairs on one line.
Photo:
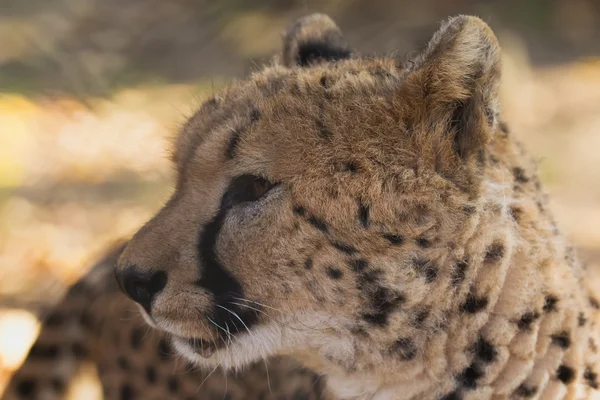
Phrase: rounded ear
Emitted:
{"points": [[457, 78], [314, 39]]}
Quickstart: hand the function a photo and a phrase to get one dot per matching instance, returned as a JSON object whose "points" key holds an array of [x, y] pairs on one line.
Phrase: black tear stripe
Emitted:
{"points": [[224, 287]]}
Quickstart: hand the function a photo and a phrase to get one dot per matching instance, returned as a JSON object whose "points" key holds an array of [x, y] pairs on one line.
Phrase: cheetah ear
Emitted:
{"points": [[458, 77], [314, 39]]}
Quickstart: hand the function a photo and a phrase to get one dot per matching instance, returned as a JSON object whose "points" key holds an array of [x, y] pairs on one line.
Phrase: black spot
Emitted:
{"points": [[550, 303], [469, 377], [79, 350], [41, 351], [344, 248], [527, 319], [323, 82], [363, 214], [55, 319], [526, 391], [519, 175], [459, 272], [318, 223], [594, 303], [323, 130], [308, 263], [358, 265], [334, 273], [494, 253], [423, 242], [405, 348], [87, 321], [351, 166], [173, 385], [383, 302], [300, 394], [300, 211], [359, 331], [123, 363], [485, 351], [503, 127], [394, 239], [311, 51], [254, 115], [136, 338], [367, 279], [565, 374], [562, 340], [150, 374], [581, 319], [164, 350], [591, 378], [452, 396], [419, 318], [377, 319], [469, 210], [58, 384], [474, 304], [426, 269], [26, 388], [126, 392], [516, 213], [79, 288]]}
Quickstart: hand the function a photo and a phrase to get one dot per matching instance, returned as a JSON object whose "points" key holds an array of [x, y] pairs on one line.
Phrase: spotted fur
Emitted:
{"points": [[376, 221]]}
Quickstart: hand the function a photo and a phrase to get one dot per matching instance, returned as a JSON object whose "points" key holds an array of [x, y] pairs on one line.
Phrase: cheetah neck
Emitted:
{"points": [[520, 328]]}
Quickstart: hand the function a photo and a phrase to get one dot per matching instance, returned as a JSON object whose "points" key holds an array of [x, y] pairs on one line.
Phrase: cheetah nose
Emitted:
{"points": [[141, 287]]}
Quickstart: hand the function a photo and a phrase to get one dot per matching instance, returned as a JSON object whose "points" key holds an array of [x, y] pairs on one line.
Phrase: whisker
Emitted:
{"points": [[219, 326], [258, 304], [208, 376], [247, 306], [281, 311], [235, 315], [268, 378]]}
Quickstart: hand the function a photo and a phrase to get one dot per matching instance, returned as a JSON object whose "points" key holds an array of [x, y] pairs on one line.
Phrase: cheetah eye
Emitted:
{"points": [[247, 188]]}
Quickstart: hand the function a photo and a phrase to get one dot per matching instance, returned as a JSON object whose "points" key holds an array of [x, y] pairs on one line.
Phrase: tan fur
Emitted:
{"points": [[406, 251], [96, 324]]}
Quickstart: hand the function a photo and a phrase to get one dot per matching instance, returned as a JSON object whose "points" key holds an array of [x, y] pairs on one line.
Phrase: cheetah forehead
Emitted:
{"points": [[327, 106]]}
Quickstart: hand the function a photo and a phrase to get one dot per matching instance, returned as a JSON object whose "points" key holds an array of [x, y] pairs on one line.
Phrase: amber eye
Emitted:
{"points": [[246, 188]]}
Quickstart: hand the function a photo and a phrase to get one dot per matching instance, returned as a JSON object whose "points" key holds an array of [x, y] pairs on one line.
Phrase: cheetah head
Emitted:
{"points": [[322, 206]]}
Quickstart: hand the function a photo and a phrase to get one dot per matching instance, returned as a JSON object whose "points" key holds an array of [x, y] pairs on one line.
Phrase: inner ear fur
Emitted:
{"points": [[457, 80], [314, 39]]}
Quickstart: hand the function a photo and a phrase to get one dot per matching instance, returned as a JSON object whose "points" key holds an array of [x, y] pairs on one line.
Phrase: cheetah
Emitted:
{"points": [[375, 219], [96, 324]]}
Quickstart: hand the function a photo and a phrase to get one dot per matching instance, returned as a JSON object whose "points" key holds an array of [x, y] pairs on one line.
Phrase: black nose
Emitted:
{"points": [[142, 287]]}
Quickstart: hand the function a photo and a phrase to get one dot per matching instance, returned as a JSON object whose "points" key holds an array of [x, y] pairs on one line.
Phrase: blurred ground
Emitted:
{"points": [[92, 90]]}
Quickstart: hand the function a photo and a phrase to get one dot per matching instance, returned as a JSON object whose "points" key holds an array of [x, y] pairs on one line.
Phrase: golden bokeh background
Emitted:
{"points": [[91, 91]]}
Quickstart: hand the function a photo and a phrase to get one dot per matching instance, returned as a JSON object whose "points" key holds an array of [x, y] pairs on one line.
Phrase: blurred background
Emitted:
{"points": [[91, 91]]}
